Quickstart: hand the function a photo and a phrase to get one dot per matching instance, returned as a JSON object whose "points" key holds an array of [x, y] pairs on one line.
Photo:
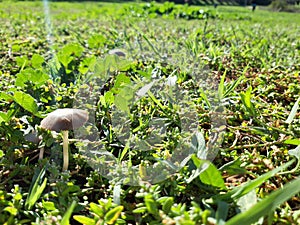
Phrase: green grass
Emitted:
{"points": [[235, 103]]}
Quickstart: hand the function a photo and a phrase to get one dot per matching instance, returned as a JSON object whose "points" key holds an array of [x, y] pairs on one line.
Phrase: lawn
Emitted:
{"points": [[193, 114]]}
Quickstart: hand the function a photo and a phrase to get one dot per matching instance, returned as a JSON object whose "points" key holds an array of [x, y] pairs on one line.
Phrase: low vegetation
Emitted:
{"points": [[193, 114]]}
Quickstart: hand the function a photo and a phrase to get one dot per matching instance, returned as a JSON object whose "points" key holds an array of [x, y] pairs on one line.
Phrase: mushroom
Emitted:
{"points": [[35, 139], [117, 52], [64, 120]]}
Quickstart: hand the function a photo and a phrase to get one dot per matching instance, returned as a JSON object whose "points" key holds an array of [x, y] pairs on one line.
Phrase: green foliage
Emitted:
{"points": [[238, 71], [37, 188], [26, 101], [279, 5], [267, 205], [168, 10], [105, 212]]}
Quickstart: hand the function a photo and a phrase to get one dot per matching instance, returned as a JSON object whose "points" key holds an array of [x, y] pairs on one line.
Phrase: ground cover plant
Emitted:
{"points": [[193, 114]]}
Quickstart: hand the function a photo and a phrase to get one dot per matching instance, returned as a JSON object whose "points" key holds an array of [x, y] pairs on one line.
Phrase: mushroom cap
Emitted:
{"points": [[117, 52], [65, 119], [33, 137]]}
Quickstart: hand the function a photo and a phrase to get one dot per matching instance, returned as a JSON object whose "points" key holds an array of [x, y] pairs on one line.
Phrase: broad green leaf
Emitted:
{"points": [[121, 81], [292, 142], [3, 117], [66, 218], [143, 73], [96, 41], [293, 112], [113, 214], [50, 206], [26, 101], [84, 220], [121, 103], [101, 69], [201, 165], [109, 98], [11, 209], [97, 209], [16, 47], [70, 188], [36, 77], [267, 205], [213, 177], [123, 100], [65, 59], [37, 61], [87, 64], [6, 97], [72, 49], [22, 61], [1, 154]]}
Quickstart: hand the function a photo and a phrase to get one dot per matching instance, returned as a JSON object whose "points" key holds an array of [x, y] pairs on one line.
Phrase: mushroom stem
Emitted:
{"points": [[41, 155], [65, 134]]}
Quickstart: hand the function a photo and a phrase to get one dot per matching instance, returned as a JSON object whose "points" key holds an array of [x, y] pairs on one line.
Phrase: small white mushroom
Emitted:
{"points": [[63, 120]]}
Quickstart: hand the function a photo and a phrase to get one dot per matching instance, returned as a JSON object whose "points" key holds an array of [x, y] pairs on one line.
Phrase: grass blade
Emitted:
{"points": [[246, 99], [36, 189], [221, 88], [293, 112], [242, 190], [232, 86], [67, 215], [268, 204]]}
